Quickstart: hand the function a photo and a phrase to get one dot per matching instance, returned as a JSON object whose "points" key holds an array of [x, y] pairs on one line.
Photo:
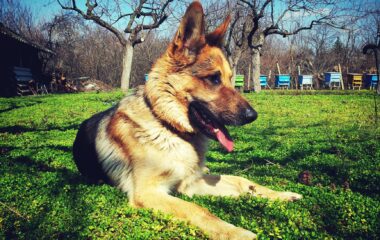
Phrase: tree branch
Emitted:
{"points": [[272, 12], [227, 44], [157, 14], [252, 6], [90, 16], [91, 7], [129, 29], [261, 14], [255, 19], [285, 33]]}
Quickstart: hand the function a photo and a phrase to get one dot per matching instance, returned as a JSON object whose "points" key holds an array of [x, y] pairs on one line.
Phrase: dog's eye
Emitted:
{"points": [[215, 79]]}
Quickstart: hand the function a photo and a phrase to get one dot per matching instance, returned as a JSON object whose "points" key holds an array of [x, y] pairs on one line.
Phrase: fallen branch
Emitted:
{"points": [[15, 211]]}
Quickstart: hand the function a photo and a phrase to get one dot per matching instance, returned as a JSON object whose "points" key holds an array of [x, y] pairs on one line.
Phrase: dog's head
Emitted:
{"points": [[190, 86]]}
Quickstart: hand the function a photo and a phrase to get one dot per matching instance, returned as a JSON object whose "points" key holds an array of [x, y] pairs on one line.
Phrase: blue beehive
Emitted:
{"points": [[305, 79], [282, 80], [332, 79], [263, 80], [370, 80], [146, 77]]}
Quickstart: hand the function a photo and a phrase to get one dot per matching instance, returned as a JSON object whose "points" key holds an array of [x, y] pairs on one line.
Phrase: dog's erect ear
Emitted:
{"points": [[190, 36], [216, 38]]}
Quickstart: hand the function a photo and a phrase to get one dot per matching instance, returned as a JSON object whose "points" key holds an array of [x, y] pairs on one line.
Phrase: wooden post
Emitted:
{"points": [[341, 77], [377, 53], [269, 77], [299, 74], [291, 40], [278, 68], [249, 77]]}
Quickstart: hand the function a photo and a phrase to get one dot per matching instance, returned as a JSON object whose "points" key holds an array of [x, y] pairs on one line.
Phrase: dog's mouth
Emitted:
{"points": [[206, 122]]}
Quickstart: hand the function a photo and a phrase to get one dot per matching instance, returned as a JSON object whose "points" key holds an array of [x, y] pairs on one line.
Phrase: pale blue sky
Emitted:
{"points": [[42, 8], [45, 9]]}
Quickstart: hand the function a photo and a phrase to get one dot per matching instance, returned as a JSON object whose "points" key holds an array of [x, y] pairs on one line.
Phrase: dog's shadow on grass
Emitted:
{"points": [[63, 187], [19, 129], [239, 161], [25, 103]]}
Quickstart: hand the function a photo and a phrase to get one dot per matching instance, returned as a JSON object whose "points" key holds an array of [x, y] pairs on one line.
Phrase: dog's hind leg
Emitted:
{"points": [[226, 185], [214, 227]]}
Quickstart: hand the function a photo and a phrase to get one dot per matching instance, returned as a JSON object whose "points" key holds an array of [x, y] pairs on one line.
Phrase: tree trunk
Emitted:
{"points": [[255, 59], [233, 61], [376, 52], [233, 74], [127, 66], [247, 78], [233, 69]]}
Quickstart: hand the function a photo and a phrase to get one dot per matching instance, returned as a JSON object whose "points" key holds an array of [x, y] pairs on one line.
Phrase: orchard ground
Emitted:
{"points": [[335, 135]]}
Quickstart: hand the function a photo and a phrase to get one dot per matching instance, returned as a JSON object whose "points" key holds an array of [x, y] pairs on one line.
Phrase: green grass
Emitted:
{"points": [[333, 134]]}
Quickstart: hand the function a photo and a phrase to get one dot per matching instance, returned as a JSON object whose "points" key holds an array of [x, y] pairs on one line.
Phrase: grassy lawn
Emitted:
{"points": [[333, 135]]}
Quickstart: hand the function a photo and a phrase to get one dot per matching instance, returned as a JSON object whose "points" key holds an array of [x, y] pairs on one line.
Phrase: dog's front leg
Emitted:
{"points": [[196, 215], [226, 185]]}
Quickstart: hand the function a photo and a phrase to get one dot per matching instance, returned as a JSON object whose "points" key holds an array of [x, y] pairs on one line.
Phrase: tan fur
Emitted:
{"points": [[157, 148]]}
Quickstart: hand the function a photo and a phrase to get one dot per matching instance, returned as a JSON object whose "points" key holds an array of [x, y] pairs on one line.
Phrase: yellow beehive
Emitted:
{"points": [[355, 80]]}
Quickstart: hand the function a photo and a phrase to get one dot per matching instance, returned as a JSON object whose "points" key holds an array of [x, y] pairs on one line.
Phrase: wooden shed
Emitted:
{"points": [[17, 52]]}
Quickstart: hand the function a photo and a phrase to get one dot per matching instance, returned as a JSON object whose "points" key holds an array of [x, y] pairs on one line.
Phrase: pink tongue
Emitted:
{"points": [[227, 143]]}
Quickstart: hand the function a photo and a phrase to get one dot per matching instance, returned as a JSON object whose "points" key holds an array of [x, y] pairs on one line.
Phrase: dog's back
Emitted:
{"points": [[96, 153], [84, 148]]}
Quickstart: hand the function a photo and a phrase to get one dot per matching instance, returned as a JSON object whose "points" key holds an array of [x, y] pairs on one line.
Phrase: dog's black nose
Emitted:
{"points": [[250, 115]]}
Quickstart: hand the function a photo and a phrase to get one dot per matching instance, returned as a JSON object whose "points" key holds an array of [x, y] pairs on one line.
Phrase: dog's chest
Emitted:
{"points": [[172, 156], [176, 155], [173, 164], [158, 151]]}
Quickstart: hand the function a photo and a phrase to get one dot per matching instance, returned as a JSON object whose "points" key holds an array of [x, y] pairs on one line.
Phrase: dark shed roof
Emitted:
{"points": [[12, 34]]}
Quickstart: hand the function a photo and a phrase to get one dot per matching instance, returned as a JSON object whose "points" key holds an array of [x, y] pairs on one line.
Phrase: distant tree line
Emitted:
{"points": [[301, 35]]}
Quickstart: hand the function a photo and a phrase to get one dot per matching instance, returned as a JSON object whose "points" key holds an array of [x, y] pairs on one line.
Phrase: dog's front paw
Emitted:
{"points": [[288, 196]]}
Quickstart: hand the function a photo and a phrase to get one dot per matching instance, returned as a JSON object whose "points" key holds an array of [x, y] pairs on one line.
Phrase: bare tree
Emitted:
{"points": [[20, 19], [146, 55], [371, 29], [375, 47], [141, 15], [234, 44], [319, 41], [83, 50], [270, 17], [17, 17]]}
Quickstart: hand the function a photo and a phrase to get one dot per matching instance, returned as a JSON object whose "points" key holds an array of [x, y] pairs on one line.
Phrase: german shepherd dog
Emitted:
{"points": [[154, 141]]}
